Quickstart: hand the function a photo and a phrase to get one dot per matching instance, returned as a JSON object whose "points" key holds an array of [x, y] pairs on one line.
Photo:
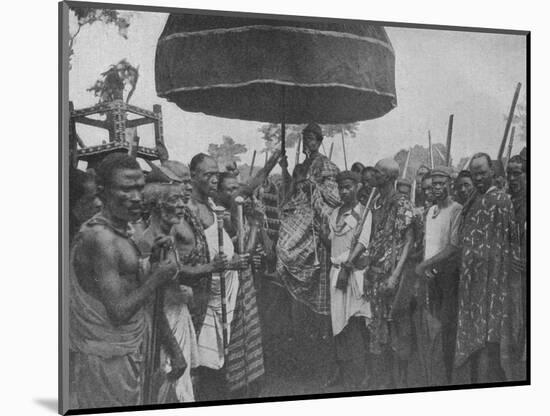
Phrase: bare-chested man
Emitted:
{"points": [[109, 289], [204, 176]]}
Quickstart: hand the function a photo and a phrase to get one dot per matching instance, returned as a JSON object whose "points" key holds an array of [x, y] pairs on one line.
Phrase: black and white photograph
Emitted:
{"points": [[263, 207]]}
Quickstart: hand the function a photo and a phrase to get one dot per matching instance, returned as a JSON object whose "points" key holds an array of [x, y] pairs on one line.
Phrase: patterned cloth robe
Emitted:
{"points": [[391, 218], [245, 359], [301, 219], [199, 255], [489, 240]]}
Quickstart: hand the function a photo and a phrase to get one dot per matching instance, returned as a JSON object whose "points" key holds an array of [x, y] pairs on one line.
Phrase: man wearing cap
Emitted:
{"points": [[488, 244], [389, 246], [439, 265], [302, 260], [349, 308]]}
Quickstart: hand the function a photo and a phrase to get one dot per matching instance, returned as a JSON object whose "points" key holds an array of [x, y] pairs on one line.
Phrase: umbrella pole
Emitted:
{"points": [[344, 147]]}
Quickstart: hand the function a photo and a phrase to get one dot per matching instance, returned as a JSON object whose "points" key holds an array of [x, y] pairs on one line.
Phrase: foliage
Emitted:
{"points": [[110, 86], [331, 130], [89, 16], [228, 152]]}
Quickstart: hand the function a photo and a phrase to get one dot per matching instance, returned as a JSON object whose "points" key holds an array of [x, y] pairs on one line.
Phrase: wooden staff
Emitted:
{"points": [[510, 145], [509, 121], [439, 153], [404, 174], [239, 201], [430, 153], [449, 138], [298, 151], [330, 152], [344, 147], [252, 164], [219, 211]]}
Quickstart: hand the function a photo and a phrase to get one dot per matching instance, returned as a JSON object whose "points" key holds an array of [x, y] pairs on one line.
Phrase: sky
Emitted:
{"points": [[438, 73]]}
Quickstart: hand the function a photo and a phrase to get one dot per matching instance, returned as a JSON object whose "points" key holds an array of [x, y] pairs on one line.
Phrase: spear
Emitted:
{"points": [[509, 122], [430, 153], [404, 174], [510, 145], [252, 164], [449, 138]]}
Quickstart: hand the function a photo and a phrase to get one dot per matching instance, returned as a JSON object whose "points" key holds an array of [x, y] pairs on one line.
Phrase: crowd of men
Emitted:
{"points": [[173, 273]]}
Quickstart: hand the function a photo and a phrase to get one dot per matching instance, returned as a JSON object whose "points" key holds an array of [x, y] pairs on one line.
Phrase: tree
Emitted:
{"points": [[331, 130], [110, 86], [88, 16], [228, 152], [271, 134]]}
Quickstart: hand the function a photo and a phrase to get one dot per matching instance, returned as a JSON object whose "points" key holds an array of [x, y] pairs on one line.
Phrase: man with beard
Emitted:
{"points": [[390, 242], [517, 185], [439, 265], [302, 260], [165, 202], [204, 179], [464, 187], [488, 245], [109, 289]]}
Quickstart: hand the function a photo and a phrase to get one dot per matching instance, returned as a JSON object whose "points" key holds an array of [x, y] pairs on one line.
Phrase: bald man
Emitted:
{"points": [[391, 239]]}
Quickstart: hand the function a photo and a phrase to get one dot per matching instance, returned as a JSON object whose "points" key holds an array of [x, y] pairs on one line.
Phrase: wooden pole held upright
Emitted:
{"points": [[430, 152], [449, 138], [330, 152], [252, 164], [510, 145], [509, 122]]}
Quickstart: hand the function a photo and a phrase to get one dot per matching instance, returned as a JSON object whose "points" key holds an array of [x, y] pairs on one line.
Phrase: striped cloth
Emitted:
{"points": [[245, 361]]}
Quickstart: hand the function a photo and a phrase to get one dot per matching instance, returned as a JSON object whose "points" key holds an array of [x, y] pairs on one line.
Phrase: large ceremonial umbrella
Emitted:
{"points": [[279, 71]]}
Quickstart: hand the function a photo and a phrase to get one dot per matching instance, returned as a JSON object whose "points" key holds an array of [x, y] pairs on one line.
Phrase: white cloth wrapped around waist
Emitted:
{"points": [[349, 302]]}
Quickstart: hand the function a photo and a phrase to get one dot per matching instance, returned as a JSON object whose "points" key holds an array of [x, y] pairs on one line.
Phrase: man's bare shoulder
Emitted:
{"points": [[97, 237]]}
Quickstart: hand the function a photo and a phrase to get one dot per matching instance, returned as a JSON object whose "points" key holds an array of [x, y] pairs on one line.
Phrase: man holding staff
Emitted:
{"points": [[204, 174], [109, 289], [390, 242]]}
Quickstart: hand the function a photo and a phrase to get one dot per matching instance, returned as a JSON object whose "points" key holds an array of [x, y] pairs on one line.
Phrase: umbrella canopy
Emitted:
{"points": [[236, 67]]}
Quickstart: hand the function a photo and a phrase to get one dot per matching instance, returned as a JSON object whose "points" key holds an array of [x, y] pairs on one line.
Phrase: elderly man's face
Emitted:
{"points": [[171, 207], [205, 177], [311, 143]]}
